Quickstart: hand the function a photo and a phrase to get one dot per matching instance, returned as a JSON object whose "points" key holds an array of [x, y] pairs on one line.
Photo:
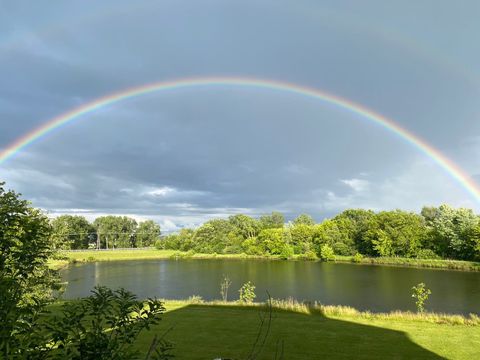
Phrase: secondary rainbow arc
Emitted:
{"points": [[449, 166]]}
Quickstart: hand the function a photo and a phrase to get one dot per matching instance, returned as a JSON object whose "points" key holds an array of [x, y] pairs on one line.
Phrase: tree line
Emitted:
{"points": [[70, 232], [437, 232]]}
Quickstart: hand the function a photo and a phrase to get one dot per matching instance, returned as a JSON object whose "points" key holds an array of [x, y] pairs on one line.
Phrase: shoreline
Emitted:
{"points": [[66, 258]]}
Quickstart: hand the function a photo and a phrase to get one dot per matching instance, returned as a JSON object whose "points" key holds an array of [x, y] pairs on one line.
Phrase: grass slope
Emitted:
{"points": [[206, 331]]}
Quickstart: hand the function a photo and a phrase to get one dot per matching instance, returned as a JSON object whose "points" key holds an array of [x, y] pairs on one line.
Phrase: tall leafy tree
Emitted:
{"points": [[147, 233], [396, 233], [72, 232], [356, 223], [303, 219], [115, 231], [244, 225], [273, 221], [449, 231]]}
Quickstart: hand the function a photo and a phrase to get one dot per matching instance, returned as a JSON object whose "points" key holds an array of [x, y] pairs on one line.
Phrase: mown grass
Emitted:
{"points": [[229, 330], [67, 257], [209, 330]]}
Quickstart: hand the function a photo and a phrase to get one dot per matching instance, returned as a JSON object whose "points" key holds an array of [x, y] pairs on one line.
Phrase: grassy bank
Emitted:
{"points": [[211, 330], [146, 254], [72, 257], [425, 263]]}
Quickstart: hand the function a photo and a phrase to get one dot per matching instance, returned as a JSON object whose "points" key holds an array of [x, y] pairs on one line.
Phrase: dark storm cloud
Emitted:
{"points": [[195, 153]]}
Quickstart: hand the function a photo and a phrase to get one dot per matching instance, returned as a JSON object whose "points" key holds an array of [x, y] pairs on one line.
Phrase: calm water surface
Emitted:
{"points": [[365, 287]]}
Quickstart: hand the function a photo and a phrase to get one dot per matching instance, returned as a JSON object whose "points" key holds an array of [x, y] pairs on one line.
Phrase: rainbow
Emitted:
{"points": [[451, 168]]}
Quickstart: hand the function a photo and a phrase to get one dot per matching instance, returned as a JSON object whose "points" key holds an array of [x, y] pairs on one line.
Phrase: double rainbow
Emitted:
{"points": [[450, 167]]}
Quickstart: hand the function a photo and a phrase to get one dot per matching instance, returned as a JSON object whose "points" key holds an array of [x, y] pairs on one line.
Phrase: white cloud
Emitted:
{"points": [[421, 184], [161, 192], [357, 185]]}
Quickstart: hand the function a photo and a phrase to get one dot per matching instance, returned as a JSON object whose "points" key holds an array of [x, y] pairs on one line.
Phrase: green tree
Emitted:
{"points": [[275, 242], [450, 231], [396, 233], [354, 224], [273, 221], [72, 232], [147, 233], [115, 231], [304, 219], [329, 232], [213, 236], [182, 241], [244, 225], [26, 282], [302, 237]]}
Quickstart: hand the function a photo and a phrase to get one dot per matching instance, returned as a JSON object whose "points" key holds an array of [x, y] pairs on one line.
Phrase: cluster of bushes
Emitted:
{"points": [[437, 232], [106, 232]]}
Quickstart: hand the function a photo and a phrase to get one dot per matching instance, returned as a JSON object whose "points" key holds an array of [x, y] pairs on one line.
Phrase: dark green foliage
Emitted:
{"points": [[396, 233], [104, 326], [26, 282], [182, 241]]}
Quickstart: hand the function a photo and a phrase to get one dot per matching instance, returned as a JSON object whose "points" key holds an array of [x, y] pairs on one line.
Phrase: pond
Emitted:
{"points": [[365, 287]]}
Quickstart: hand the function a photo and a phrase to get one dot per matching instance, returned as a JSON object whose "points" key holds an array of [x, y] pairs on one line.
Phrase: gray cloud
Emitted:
{"points": [[186, 155]]}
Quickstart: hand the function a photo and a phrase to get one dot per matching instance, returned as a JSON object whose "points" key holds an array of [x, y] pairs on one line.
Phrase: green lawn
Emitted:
{"points": [[209, 331], [143, 254]]}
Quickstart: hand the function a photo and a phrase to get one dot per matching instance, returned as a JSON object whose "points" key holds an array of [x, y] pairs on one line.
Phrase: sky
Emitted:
{"points": [[184, 156]]}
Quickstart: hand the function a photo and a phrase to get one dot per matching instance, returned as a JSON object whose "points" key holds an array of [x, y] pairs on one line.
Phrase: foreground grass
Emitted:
{"points": [[211, 330], [67, 257], [229, 330]]}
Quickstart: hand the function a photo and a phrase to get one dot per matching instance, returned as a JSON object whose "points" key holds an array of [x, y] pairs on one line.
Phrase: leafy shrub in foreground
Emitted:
{"points": [[104, 326], [247, 293], [421, 294]]}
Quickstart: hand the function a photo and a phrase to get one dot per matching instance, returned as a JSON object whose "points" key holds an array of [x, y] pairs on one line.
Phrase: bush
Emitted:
{"points": [[340, 248], [160, 244], [326, 253], [247, 293], [427, 254], [357, 258], [421, 294], [309, 255], [287, 252], [104, 326]]}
